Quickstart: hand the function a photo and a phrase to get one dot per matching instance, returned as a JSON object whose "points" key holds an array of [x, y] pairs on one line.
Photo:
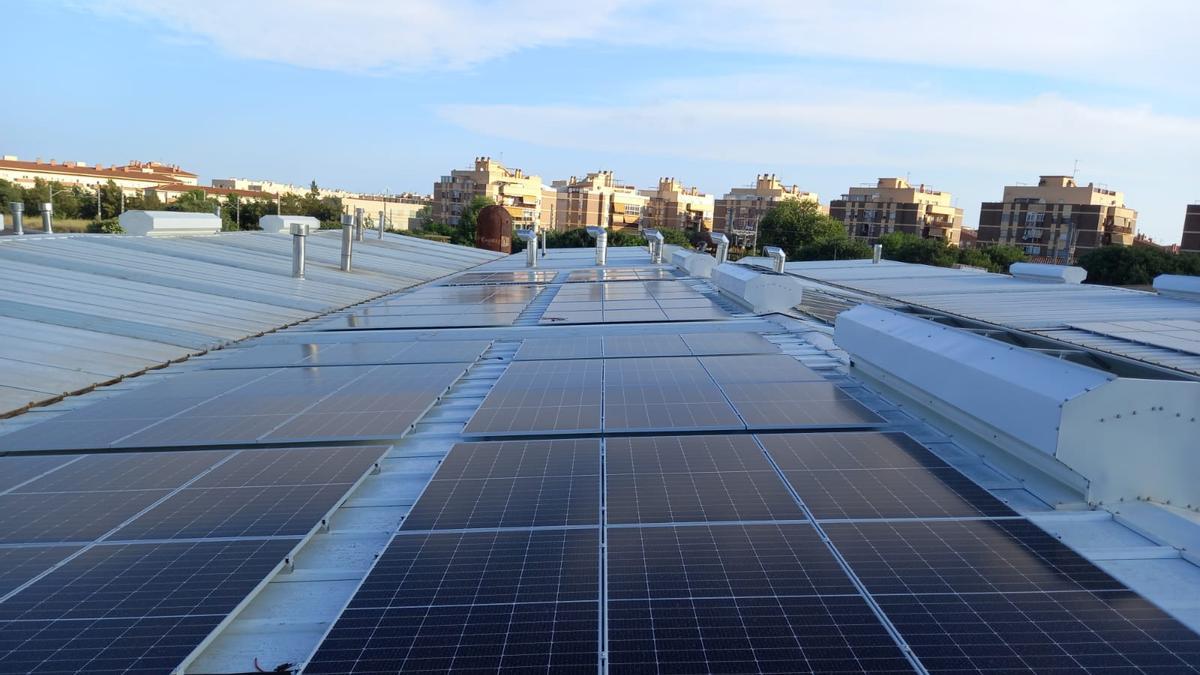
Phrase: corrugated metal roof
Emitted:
{"points": [[79, 310], [1053, 310]]}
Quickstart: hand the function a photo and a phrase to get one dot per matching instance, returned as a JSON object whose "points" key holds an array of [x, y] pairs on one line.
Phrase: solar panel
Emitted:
{"points": [[514, 277], [1115, 631], [633, 346], [485, 567], [785, 405], [127, 471], [758, 369], [542, 396], [620, 346], [848, 450], [536, 349], [552, 501], [462, 320], [893, 493], [643, 301], [349, 354], [714, 344], [811, 634], [20, 564], [664, 480], [130, 608], [976, 556], [212, 407], [721, 561], [507, 459], [69, 516], [16, 470]]}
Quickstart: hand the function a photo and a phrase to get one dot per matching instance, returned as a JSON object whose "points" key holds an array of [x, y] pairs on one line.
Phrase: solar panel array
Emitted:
{"points": [[635, 346], [623, 274], [513, 277], [230, 407], [704, 553], [634, 301], [435, 307], [125, 562], [675, 393], [349, 354]]}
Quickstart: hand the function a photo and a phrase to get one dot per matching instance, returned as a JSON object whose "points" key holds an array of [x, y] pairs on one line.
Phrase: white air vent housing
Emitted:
{"points": [[763, 292], [694, 263], [283, 224], [169, 223], [1178, 286], [1051, 274], [1111, 438]]}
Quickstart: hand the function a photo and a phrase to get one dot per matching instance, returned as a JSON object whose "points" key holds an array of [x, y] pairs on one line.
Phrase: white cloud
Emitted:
{"points": [[1148, 42]]}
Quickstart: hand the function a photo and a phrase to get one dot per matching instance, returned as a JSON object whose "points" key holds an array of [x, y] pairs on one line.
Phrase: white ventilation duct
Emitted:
{"points": [[654, 241], [168, 223], [722, 244], [1110, 438], [696, 264], [1051, 274], [601, 237], [1178, 286], [777, 256], [283, 224], [760, 291], [530, 239]]}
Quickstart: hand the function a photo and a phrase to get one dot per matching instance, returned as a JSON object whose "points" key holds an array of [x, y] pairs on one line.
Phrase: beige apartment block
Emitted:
{"points": [[1191, 229], [133, 178], [739, 212], [597, 200], [169, 193], [400, 212], [1058, 218], [893, 205], [275, 188], [676, 207], [518, 193]]}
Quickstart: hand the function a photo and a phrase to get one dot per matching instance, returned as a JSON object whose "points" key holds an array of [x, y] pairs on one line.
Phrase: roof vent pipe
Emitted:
{"points": [[299, 232], [601, 237], [544, 238], [358, 224], [382, 218], [347, 241], [777, 256], [530, 239], [48, 217], [876, 254], [655, 239], [722, 243], [18, 209]]}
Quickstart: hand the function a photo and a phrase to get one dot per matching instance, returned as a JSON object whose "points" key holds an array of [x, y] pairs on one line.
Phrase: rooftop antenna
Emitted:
{"points": [[1075, 170]]}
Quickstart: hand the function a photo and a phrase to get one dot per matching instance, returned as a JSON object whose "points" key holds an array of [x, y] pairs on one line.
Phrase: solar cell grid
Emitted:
{"points": [[1037, 632], [893, 493], [20, 564], [822, 634], [127, 471], [552, 501], [522, 637], [963, 557], [683, 454], [451, 320], [484, 567], [579, 347], [721, 561], [849, 450], [150, 645], [17, 470], [293, 466], [504, 459], [69, 516], [755, 369], [784, 405]]}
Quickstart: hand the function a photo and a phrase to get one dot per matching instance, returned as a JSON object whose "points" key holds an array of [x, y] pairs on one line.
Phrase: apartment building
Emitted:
{"points": [[597, 200], [133, 178], [400, 212], [1191, 229], [893, 205], [517, 192], [1058, 217], [274, 188], [676, 207], [738, 213]]}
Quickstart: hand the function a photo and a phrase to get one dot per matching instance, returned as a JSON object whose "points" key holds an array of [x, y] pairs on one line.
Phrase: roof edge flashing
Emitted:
{"points": [[1045, 273], [763, 292]]}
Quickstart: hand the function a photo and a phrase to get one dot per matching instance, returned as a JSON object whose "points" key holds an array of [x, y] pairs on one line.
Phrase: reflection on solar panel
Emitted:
{"points": [[893, 493], [623, 274], [218, 407], [668, 479], [630, 302], [458, 320], [130, 608], [808, 634], [350, 354], [514, 484], [514, 277], [69, 516], [683, 393], [16, 470], [630, 346], [477, 600], [848, 450]]}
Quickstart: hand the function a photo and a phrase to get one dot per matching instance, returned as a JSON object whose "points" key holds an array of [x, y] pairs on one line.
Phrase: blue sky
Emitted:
{"points": [[375, 94]]}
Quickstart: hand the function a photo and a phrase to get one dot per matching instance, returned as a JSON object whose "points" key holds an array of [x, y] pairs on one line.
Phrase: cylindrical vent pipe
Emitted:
{"points": [[347, 241], [601, 237], [358, 224], [655, 239], [48, 218], [876, 254], [530, 239], [382, 218], [722, 243], [18, 210], [544, 239], [299, 232], [777, 256]]}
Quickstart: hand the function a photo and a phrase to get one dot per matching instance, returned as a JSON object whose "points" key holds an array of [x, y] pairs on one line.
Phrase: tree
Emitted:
{"points": [[907, 247], [469, 218], [834, 248], [1135, 265], [193, 201], [793, 224]]}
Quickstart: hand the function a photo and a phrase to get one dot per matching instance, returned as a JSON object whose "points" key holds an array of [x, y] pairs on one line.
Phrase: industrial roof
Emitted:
{"points": [[80, 310], [551, 469]]}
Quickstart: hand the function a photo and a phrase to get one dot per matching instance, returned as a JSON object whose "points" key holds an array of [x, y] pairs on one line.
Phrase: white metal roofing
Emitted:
{"points": [[1053, 310], [79, 310]]}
